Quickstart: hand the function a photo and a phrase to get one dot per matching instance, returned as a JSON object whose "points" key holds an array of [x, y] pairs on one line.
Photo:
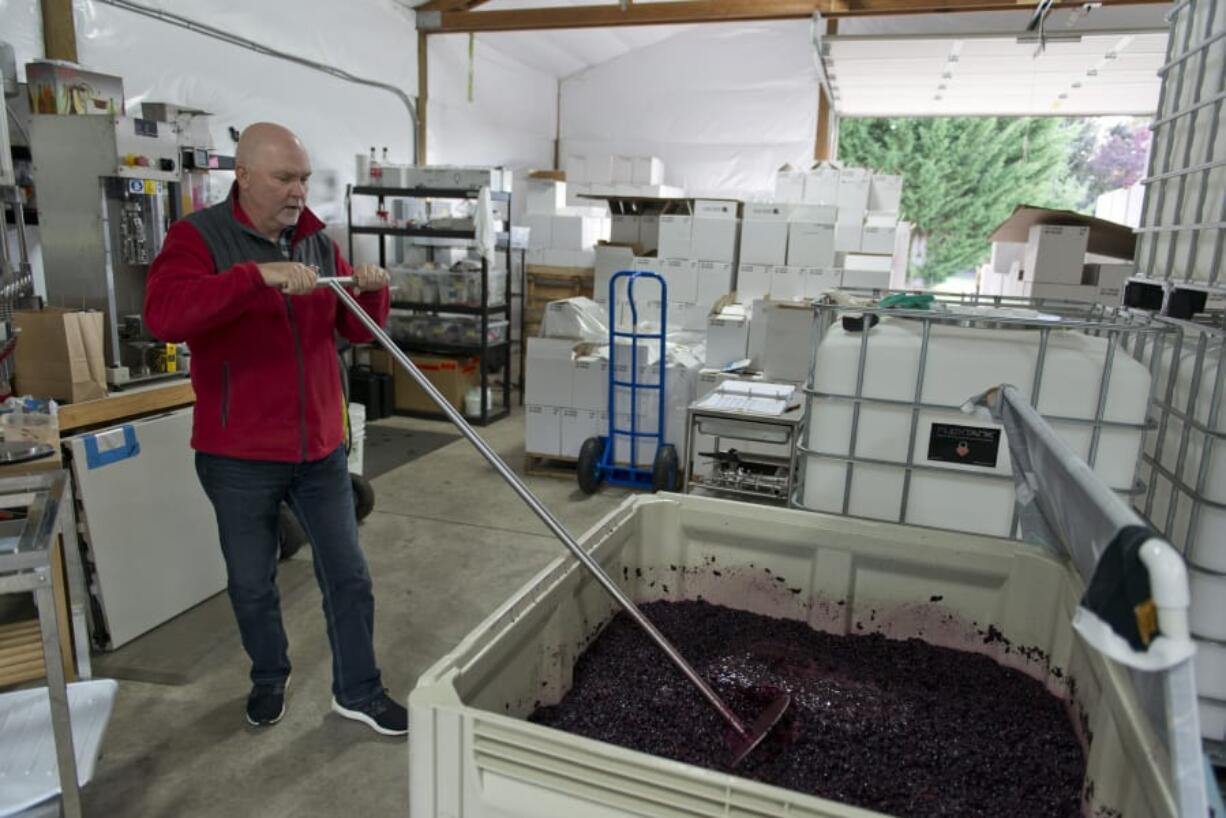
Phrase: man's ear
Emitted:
{"points": [[243, 176]]}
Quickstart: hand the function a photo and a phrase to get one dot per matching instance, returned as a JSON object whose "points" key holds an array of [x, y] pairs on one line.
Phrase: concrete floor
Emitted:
{"points": [[447, 543]]}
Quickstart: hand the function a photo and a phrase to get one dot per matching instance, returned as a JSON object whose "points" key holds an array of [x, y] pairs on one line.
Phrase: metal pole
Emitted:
{"points": [[337, 286]]}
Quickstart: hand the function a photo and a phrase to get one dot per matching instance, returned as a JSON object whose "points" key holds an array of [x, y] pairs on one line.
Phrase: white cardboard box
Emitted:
{"points": [[810, 244], [590, 388], [847, 238], [715, 230], [814, 214], [1055, 253], [543, 430], [623, 170], [727, 339], [787, 284], [853, 195], [540, 230], [675, 236], [549, 372], [610, 259], [789, 337], [625, 228], [790, 186], [764, 233], [714, 279], [885, 192], [822, 185], [1109, 278], [866, 279], [681, 275], [576, 232], [818, 280], [545, 196], [578, 425], [649, 232], [753, 281], [600, 168], [1063, 292], [648, 170], [878, 236]]}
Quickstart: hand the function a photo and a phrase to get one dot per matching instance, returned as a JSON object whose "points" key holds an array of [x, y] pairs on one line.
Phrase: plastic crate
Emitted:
{"points": [[473, 754]]}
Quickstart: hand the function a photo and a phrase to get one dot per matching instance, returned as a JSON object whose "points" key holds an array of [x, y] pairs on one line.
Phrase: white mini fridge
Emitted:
{"points": [[148, 530]]}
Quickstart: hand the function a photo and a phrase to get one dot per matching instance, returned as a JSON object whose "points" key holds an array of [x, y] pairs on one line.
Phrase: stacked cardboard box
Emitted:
{"points": [[1039, 253], [841, 220], [567, 397], [594, 173]]}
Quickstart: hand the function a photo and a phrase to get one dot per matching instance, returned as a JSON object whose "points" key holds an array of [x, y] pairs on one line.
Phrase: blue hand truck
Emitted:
{"points": [[598, 455]]}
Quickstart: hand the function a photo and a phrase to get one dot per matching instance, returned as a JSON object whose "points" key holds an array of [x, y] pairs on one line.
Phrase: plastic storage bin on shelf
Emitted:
{"points": [[459, 288], [473, 755], [414, 327], [1186, 497], [935, 475]]}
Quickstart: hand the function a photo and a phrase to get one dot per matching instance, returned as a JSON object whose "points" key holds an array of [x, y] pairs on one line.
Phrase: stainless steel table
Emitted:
{"points": [[782, 431], [26, 549]]}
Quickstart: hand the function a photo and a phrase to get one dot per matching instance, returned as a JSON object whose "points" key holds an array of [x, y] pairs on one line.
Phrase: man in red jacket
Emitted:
{"points": [[237, 283]]}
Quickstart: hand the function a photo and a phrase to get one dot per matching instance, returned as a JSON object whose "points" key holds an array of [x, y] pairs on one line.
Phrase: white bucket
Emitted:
{"points": [[357, 437], [472, 401]]}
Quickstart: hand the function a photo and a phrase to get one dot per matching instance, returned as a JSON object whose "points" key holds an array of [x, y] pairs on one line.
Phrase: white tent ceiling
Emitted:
{"points": [[1100, 61]]}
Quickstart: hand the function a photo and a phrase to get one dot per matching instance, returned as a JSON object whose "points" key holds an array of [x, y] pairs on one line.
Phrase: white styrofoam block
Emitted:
{"points": [[852, 198], [885, 192], [540, 230], [549, 371], [790, 186], [648, 170], [623, 170], [818, 281], [867, 263], [545, 196], [822, 185], [811, 244], [543, 430], [753, 281], [847, 237], [675, 236]]}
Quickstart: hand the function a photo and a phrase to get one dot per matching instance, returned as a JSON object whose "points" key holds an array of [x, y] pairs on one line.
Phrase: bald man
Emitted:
{"points": [[237, 283]]}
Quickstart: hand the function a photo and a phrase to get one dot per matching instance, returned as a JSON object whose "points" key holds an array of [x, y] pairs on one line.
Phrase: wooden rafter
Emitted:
{"points": [[450, 5], [434, 19]]}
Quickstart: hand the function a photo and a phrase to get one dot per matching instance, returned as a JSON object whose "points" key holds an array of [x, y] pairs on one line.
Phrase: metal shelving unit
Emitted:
{"points": [[493, 356]]}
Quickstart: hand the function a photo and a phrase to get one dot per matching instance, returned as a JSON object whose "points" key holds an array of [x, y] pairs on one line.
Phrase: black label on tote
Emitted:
{"points": [[964, 445]]}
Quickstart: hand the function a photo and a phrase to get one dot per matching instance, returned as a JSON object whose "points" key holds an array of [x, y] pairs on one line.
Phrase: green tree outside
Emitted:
{"points": [[964, 175]]}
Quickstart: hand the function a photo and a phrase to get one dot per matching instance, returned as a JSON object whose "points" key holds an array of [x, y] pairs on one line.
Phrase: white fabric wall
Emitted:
{"points": [[723, 105], [511, 121]]}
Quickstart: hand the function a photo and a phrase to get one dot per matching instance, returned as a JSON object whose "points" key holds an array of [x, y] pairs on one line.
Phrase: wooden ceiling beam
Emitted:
{"points": [[433, 19], [449, 5]]}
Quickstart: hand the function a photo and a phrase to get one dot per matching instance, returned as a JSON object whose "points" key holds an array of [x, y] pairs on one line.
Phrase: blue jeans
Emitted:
{"points": [[246, 496]]}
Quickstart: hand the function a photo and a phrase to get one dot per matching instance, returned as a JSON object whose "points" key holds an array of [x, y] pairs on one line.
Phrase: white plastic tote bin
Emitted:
{"points": [[473, 754]]}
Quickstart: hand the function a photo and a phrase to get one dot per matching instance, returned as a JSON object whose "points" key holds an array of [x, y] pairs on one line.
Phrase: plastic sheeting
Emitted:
{"points": [[723, 105], [1063, 505]]}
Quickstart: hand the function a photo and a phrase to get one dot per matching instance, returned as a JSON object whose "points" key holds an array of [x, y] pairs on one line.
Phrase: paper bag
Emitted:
{"points": [[59, 354]]}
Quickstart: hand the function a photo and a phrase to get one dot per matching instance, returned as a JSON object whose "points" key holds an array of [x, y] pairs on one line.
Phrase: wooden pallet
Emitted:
{"points": [[544, 465], [546, 284]]}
